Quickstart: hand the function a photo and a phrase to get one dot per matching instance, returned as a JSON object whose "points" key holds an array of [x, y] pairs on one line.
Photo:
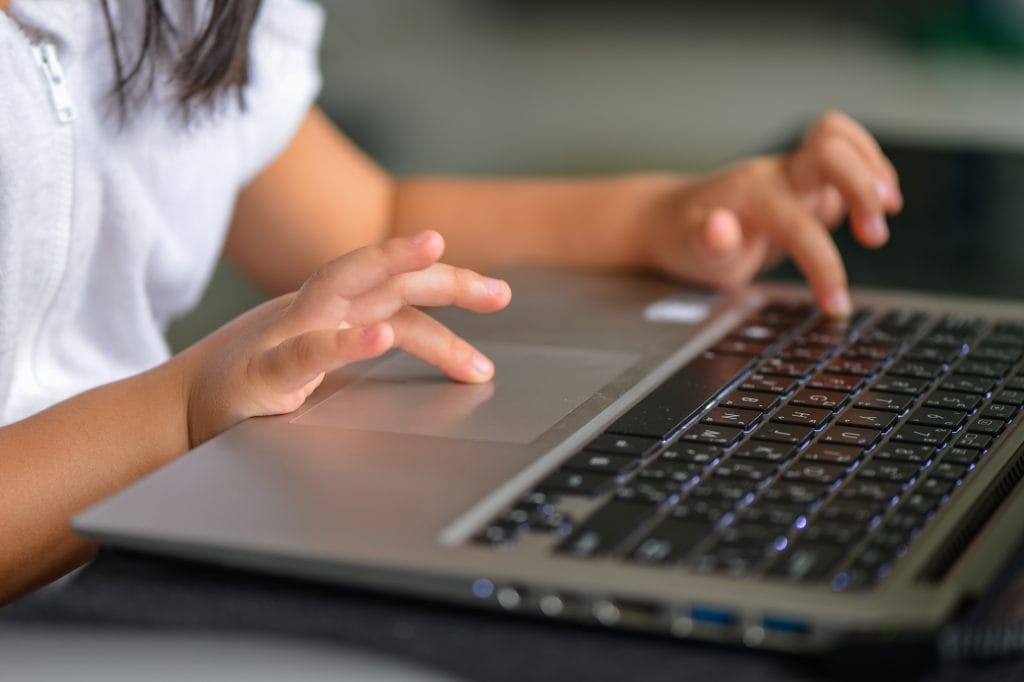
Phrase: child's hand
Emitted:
{"points": [[356, 307], [736, 222]]}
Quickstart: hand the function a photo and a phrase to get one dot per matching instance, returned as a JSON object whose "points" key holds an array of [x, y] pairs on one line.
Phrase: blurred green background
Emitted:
{"points": [[566, 86]]}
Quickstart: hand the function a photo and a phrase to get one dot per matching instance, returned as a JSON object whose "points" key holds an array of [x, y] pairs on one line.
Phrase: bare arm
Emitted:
{"points": [[324, 197], [61, 460]]}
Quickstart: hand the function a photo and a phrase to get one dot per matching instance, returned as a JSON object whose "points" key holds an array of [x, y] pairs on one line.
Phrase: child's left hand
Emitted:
{"points": [[737, 221]]}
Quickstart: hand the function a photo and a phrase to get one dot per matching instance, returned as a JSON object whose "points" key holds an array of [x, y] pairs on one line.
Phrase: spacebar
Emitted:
{"points": [[673, 403]]}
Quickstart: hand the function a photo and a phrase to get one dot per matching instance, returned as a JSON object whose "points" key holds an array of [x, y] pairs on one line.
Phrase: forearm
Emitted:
{"points": [[576, 222], [69, 456]]}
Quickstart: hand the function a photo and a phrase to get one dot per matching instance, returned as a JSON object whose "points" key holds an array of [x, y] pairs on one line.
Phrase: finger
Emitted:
{"points": [[722, 232], [438, 285], [835, 161], [298, 360], [886, 178], [324, 298], [810, 246], [427, 339]]}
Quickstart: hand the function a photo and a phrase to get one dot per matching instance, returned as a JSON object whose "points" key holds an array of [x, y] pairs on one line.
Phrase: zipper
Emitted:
{"points": [[28, 375], [45, 55]]}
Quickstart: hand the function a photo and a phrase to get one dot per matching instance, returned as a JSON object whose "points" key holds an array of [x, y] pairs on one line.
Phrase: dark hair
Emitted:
{"points": [[213, 60]]}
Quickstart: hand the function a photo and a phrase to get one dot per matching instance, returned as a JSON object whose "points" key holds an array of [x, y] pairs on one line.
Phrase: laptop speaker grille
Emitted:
{"points": [[972, 524]]}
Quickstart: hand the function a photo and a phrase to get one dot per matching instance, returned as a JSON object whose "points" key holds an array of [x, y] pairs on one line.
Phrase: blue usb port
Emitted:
{"points": [[710, 615], [783, 625]]}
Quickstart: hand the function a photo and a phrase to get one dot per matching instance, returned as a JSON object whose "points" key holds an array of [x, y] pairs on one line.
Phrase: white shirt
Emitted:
{"points": [[109, 232]]}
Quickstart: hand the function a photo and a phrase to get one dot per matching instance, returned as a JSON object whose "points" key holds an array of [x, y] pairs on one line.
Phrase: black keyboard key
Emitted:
{"points": [[633, 446], [695, 453], [671, 540], [870, 419], [726, 490], [905, 452], [915, 369], [902, 385], [652, 493], [870, 491], [746, 532], [995, 353], [706, 511], [714, 435], [826, 400], [986, 425], [888, 402], [891, 472], [496, 534], [767, 383], [901, 322], [792, 492], [851, 511], [923, 435], [936, 487], [813, 472], [813, 354], [801, 416], [936, 416], [673, 403], [731, 416], [1009, 397], [869, 351], [964, 456], [850, 435], [832, 454], [750, 469], [722, 557], [836, 382], [948, 400], [999, 411], [773, 513], [607, 528], [786, 368], [982, 368], [755, 331], [977, 441], [1016, 383], [833, 532], [764, 450], [942, 355], [857, 366], [743, 348], [947, 471], [807, 561], [919, 503], [586, 484], [783, 433], [967, 384], [600, 463], [677, 472], [750, 401]]}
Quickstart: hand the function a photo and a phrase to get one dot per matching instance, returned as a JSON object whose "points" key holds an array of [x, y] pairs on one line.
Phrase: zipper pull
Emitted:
{"points": [[46, 57]]}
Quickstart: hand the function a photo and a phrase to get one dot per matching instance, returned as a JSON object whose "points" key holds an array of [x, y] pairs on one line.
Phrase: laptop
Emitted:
{"points": [[724, 467]]}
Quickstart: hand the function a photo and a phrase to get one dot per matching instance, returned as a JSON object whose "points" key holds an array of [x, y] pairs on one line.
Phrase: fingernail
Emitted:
{"points": [[421, 237], [839, 304], [481, 364], [495, 287], [877, 230]]}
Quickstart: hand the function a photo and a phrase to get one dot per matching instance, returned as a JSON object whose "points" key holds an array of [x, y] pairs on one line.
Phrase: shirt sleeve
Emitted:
{"points": [[284, 80]]}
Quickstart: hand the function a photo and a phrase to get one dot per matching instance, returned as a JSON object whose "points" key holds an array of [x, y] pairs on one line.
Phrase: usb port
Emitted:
{"points": [[784, 625], [711, 615]]}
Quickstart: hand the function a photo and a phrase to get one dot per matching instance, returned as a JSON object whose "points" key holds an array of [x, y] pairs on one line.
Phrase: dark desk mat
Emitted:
{"points": [[121, 589]]}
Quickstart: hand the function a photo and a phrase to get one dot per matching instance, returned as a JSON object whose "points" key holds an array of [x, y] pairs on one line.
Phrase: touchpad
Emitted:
{"points": [[533, 388]]}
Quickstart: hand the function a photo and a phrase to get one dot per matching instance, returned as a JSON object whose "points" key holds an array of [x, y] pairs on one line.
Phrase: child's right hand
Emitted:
{"points": [[356, 307]]}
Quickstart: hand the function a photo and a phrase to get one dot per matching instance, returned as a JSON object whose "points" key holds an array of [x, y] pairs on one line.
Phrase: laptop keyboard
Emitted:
{"points": [[798, 448]]}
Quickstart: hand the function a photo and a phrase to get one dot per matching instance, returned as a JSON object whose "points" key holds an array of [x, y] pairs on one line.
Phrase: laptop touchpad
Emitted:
{"points": [[533, 388]]}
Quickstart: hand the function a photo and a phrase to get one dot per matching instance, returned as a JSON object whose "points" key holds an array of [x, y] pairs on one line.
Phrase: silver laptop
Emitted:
{"points": [[724, 467]]}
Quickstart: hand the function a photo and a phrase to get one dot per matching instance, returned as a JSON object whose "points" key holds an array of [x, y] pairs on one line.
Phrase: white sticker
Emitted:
{"points": [[683, 308]]}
